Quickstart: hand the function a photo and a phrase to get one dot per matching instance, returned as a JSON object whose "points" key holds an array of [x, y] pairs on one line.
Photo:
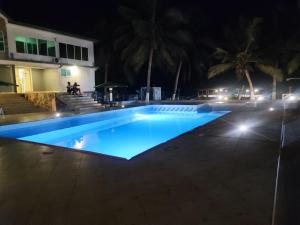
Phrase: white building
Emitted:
{"points": [[38, 59]]}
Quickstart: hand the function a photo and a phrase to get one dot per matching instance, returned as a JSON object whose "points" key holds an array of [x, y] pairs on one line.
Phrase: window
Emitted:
{"points": [[65, 72], [31, 46], [70, 51], [26, 45], [62, 50], [2, 48], [21, 44], [85, 54], [43, 47], [51, 48], [77, 53]]}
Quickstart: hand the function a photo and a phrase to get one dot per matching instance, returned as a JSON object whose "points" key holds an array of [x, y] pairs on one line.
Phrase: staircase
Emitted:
{"points": [[80, 104], [12, 103]]}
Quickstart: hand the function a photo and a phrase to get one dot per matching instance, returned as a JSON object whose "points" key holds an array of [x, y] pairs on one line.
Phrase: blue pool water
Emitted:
{"points": [[123, 133]]}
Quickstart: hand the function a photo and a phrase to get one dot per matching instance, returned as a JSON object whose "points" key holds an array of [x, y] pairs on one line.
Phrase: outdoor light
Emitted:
{"points": [[271, 109], [247, 90], [220, 97], [255, 90], [225, 98], [221, 90], [243, 128], [292, 98], [57, 114], [123, 106], [216, 91], [260, 98]]}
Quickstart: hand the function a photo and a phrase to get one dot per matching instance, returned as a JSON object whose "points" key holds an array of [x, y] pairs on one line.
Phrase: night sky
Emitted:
{"points": [[81, 17]]}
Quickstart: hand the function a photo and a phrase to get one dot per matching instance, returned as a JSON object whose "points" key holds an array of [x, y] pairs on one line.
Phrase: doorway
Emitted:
{"points": [[23, 80]]}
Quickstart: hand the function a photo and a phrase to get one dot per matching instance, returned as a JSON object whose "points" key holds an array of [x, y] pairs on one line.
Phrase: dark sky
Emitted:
{"points": [[79, 17]]}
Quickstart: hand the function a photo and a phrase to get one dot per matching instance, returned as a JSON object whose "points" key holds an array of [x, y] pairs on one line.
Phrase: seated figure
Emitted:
{"points": [[69, 88], [76, 90]]}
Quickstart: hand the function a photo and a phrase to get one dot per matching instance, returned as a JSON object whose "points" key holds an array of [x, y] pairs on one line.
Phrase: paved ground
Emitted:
{"points": [[212, 175], [289, 179]]}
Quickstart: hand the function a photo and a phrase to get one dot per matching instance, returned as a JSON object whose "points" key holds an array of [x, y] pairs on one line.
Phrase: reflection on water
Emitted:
{"points": [[79, 143]]}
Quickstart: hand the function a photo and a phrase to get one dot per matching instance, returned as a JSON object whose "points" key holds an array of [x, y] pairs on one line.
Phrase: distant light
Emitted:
{"points": [[220, 97], [255, 90], [225, 98], [123, 106], [260, 98], [292, 98], [220, 102], [247, 90], [216, 91], [271, 109], [57, 114], [221, 90], [243, 128]]}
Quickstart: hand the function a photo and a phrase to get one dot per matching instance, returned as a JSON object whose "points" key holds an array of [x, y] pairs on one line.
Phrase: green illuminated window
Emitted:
{"points": [[65, 72], [2, 48], [26, 45], [21, 44], [51, 48], [31, 46]]}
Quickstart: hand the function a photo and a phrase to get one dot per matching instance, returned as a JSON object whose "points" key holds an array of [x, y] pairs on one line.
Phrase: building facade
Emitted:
{"points": [[37, 59]]}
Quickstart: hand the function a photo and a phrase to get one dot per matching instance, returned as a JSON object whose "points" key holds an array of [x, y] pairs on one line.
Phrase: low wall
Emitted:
{"points": [[44, 100]]}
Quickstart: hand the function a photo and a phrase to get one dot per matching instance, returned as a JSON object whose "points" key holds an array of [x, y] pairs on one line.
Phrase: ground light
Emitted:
{"points": [[243, 128]]}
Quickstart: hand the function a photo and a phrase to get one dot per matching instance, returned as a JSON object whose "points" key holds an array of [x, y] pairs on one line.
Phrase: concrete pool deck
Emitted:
{"points": [[211, 175]]}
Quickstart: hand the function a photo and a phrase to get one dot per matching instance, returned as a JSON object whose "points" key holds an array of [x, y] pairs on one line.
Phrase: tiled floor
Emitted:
{"points": [[212, 175]]}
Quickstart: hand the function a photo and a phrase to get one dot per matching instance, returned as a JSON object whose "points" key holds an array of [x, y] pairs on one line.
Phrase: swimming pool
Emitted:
{"points": [[123, 133]]}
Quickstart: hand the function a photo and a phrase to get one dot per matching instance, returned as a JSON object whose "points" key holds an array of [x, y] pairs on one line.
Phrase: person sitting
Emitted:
{"points": [[76, 90], [69, 88]]}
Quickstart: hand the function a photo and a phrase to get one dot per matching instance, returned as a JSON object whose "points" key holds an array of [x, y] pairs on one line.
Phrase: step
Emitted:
{"points": [[87, 105]]}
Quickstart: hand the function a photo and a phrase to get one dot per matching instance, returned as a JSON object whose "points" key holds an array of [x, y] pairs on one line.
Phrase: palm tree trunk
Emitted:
{"points": [[105, 72], [147, 98], [252, 97], [274, 89], [176, 80], [241, 91], [149, 75]]}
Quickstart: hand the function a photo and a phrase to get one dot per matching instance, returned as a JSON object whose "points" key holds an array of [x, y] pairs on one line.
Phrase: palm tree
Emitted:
{"points": [[293, 49], [243, 58], [140, 39]]}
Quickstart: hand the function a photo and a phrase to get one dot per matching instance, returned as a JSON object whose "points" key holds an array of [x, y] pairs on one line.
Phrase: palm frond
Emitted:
{"points": [[294, 64], [251, 30], [218, 69], [271, 71]]}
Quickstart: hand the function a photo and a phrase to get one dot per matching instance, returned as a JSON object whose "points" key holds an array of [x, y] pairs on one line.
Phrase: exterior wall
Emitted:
{"points": [[53, 81], [6, 76], [3, 55], [14, 30], [38, 82]]}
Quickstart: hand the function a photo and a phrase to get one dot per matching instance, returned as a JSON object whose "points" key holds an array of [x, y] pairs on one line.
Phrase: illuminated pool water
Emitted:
{"points": [[123, 133]]}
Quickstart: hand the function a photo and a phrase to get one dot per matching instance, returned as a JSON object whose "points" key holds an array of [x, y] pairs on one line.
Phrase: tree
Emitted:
{"points": [[143, 41], [243, 57]]}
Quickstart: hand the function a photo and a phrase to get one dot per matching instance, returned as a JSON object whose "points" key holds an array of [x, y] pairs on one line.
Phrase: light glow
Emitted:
{"points": [[260, 98], [255, 90], [243, 128], [57, 114], [291, 98], [271, 109], [247, 90]]}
